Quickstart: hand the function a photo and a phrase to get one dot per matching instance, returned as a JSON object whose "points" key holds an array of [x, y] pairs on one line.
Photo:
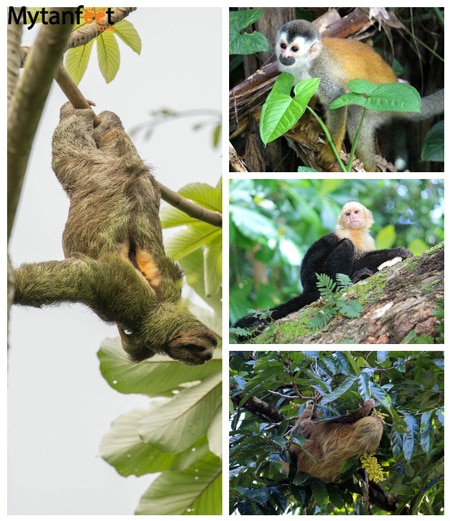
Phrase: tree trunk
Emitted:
{"points": [[400, 305]]}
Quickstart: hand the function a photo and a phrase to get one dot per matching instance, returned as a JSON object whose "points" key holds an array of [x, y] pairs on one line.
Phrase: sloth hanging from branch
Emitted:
{"points": [[330, 443], [115, 260]]}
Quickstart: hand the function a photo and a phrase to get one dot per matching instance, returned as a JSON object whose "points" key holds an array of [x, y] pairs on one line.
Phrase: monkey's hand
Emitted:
{"points": [[361, 274], [402, 252]]}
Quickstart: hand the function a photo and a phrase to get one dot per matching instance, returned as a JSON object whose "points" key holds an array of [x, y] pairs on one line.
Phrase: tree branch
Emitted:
{"points": [[27, 104], [262, 409], [88, 32], [76, 97]]}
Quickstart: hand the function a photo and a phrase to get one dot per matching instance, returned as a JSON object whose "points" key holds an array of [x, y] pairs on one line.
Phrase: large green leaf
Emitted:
{"points": [[433, 144], [128, 34], [179, 423], [156, 376], [77, 59], [244, 42], [195, 491], [281, 111], [390, 97], [123, 448], [204, 195], [213, 267], [410, 438], [215, 434], [196, 236], [108, 54], [386, 237], [252, 224]]}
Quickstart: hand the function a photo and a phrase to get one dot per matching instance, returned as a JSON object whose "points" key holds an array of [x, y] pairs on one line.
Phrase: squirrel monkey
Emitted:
{"points": [[302, 52]]}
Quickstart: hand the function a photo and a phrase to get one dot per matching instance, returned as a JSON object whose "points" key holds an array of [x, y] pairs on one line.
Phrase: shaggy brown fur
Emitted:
{"points": [[115, 259], [332, 443]]}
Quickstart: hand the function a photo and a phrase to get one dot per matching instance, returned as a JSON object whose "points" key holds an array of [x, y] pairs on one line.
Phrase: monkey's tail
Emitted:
{"points": [[257, 324], [432, 105]]}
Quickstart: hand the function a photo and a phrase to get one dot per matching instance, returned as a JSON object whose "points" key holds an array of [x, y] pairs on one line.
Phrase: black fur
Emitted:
{"points": [[329, 255]]}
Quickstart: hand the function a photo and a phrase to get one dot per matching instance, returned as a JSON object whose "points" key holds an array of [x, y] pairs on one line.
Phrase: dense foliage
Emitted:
{"points": [[269, 388], [179, 435], [274, 221]]}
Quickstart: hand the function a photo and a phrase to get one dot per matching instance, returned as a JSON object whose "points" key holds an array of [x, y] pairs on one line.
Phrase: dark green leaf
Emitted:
{"points": [[391, 97], [243, 42], [433, 144], [426, 431], [410, 438]]}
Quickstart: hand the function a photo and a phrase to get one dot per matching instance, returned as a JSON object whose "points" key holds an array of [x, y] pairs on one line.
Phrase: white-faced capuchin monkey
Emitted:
{"points": [[349, 250], [302, 52]]}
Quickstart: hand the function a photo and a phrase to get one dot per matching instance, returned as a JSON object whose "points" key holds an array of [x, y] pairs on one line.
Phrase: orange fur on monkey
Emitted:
{"points": [[332, 443]]}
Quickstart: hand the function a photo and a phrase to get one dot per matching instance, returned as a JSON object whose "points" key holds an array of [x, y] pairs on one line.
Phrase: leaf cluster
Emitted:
{"points": [[108, 51], [334, 300], [281, 110], [197, 246], [178, 435], [407, 386], [241, 42]]}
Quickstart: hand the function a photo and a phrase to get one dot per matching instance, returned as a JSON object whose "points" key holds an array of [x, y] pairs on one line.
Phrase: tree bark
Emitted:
{"points": [[400, 305]]}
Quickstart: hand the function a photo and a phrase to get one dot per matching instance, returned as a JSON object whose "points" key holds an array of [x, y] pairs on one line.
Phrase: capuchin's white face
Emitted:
{"points": [[355, 216]]}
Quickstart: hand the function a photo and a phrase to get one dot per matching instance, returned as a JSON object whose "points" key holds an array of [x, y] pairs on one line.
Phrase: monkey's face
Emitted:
{"points": [[355, 216], [297, 44]]}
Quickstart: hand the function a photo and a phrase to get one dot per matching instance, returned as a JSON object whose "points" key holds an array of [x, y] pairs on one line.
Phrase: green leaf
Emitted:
{"points": [[280, 111], [325, 285], [410, 438], [320, 493], [196, 490], [344, 281], [209, 197], [433, 144], [321, 318], [213, 266], [198, 267], [217, 132], [128, 34], [204, 195], [427, 431], [339, 390], [108, 54], [179, 423], [197, 235], [418, 246], [390, 97], [124, 449], [215, 434], [386, 237], [156, 376], [252, 224], [246, 43], [350, 308], [77, 60]]}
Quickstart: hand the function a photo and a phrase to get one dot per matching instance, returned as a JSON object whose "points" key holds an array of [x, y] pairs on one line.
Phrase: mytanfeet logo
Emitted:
{"points": [[48, 16]]}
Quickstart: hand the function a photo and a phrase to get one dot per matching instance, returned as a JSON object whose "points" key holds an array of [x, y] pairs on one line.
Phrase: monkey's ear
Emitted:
{"points": [[315, 49]]}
